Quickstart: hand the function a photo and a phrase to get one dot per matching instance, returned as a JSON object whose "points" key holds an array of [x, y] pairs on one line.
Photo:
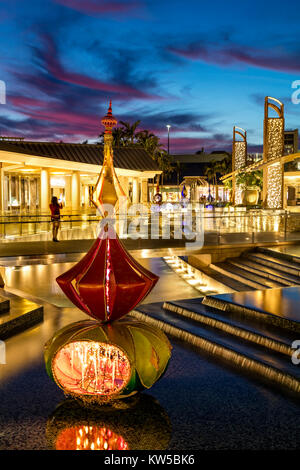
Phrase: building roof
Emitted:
{"points": [[199, 157], [130, 158]]}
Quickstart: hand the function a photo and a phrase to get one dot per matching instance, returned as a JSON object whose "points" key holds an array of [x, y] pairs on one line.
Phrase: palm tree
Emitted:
{"points": [[178, 170], [118, 136], [210, 176], [211, 172], [164, 162], [129, 130]]}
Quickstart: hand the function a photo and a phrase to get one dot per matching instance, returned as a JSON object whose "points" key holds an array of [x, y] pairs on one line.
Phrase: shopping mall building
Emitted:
{"points": [[33, 172]]}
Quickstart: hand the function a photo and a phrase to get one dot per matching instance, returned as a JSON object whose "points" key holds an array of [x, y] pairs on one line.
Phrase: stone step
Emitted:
{"points": [[23, 314], [241, 276], [268, 365], [275, 310], [263, 271], [224, 278], [253, 331], [279, 255], [4, 305], [278, 264]]}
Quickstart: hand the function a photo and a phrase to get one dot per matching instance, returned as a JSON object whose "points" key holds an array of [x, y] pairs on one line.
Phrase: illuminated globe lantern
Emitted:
{"points": [[99, 363], [110, 358]]}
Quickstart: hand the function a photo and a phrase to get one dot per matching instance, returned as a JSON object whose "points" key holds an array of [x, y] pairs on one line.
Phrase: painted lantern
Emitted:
{"points": [[100, 363]]}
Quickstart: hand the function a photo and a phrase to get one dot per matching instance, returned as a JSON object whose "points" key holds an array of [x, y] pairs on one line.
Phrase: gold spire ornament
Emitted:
{"points": [[108, 189]]}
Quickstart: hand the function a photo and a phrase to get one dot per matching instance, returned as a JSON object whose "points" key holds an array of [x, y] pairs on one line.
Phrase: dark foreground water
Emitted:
{"points": [[196, 405]]}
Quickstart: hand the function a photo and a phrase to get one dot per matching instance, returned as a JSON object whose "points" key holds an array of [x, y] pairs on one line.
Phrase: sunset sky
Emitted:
{"points": [[200, 66]]}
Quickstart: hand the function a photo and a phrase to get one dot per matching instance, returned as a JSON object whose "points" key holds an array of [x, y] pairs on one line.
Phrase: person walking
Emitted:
{"points": [[55, 208]]}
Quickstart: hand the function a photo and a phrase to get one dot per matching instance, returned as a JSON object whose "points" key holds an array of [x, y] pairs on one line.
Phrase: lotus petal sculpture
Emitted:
{"points": [[96, 362]]}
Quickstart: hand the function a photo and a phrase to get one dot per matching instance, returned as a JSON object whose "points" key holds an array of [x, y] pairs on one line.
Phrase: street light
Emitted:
{"points": [[168, 126]]}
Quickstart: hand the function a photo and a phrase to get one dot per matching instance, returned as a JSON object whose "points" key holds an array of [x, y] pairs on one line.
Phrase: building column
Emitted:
{"points": [[144, 192], [135, 191], [75, 191], [1, 188], [124, 184], [45, 190]]}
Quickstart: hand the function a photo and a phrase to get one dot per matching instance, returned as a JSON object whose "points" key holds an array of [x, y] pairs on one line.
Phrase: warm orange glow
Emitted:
{"points": [[91, 368], [89, 438]]}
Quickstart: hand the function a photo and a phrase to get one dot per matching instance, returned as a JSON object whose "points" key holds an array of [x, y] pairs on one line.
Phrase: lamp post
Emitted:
{"points": [[168, 127]]}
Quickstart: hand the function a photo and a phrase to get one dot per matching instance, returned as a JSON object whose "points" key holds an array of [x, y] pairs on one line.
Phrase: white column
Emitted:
{"points": [[45, 190], [144, 192], [86, 196], [1, 188], [76, 191], [135, 191], [124, 184], [68, 192]]}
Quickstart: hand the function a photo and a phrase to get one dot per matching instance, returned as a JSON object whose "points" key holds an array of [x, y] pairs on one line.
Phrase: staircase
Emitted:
{"points": [[228, 327], [255, 348], [259, 269]]}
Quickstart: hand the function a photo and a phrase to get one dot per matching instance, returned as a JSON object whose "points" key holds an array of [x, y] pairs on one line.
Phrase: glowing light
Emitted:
{"points": [[274, 186], [273, 149], [240, 154], [87, 367], [90, 438]]}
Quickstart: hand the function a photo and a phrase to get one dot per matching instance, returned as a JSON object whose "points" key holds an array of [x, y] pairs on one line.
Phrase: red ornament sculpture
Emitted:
{"points": [[107, 283]]}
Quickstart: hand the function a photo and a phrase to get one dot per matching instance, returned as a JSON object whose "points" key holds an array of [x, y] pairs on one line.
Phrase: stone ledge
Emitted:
{"points": [[23, 314]]}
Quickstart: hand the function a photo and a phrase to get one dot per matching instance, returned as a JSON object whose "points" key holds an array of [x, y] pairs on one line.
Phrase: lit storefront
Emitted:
{"points": [[33, 172], [198, 193]]}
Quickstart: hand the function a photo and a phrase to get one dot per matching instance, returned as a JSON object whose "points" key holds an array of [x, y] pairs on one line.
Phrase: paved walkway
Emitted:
{"points": [[139, 248]]}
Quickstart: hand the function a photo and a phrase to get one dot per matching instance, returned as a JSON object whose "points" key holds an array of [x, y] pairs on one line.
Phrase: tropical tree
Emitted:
{"points": [[127, 135], [129, 130], [251, 179], [118, 137], [164, 163], [211, 171]]}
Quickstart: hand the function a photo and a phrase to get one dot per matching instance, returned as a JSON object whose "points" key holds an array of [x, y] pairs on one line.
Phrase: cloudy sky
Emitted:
{"points": [[200, 66]]}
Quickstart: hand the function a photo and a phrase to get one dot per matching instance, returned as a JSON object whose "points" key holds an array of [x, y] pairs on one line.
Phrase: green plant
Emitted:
{"points": [[253, 179]]}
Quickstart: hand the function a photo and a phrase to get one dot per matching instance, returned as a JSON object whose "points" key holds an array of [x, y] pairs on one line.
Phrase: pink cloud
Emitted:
{"points": [[23, 101], [239, 55], [91, 7], [54, 66]]}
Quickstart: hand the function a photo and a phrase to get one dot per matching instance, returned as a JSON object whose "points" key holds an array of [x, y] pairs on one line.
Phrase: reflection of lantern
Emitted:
{"points": [[103, 362], [143, 424], [90, 438]]}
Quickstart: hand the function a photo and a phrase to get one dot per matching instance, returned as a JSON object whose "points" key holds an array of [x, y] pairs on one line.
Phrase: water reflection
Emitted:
{"points": [[137, 423]]}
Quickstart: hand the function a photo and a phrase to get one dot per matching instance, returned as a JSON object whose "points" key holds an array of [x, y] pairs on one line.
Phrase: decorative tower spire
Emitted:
{"points": [[107, 283], [108, 189], [109, 121]]}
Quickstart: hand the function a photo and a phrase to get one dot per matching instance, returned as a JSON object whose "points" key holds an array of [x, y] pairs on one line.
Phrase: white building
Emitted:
{"points": [[32, 172]]}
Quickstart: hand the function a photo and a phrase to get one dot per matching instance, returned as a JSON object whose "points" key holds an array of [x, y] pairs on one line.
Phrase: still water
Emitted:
{"points": [[39, 281]]}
